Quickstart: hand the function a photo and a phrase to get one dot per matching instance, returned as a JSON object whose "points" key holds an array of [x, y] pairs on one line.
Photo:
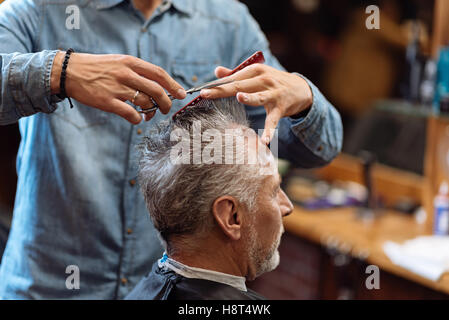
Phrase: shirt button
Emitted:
{"points": [[124, 281], [320, 148], [143, 29], [139, 131], [194, 78], [132, 182], [129, 230]]}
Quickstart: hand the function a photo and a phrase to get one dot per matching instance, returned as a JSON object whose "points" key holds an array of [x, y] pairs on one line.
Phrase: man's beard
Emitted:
{"points": [[263, 259]]}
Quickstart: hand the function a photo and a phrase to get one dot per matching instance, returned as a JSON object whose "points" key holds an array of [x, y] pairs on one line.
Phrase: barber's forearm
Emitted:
{"points": [[25, 85]]}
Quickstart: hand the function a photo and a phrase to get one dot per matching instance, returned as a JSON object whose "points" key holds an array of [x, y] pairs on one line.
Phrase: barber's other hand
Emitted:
{"points": [[282, 94], [106, 81]]}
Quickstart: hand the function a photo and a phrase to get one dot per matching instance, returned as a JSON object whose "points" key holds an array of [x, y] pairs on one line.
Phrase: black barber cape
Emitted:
{"points": [[164, 284]]}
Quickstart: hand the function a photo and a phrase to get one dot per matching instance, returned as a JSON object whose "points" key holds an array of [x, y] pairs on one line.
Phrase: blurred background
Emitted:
{"points": [[355, 68], [377, 201], [382, 203]]}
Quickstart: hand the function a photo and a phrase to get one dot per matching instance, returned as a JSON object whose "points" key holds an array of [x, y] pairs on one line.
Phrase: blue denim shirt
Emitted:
{"points": [[77, 202]]}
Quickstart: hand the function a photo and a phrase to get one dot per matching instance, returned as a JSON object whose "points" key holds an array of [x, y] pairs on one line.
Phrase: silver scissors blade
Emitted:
{"points": [[210, 84], [207, 85]]}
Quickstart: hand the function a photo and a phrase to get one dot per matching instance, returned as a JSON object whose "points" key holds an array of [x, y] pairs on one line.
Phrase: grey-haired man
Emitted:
{"points": [[220, 218]]}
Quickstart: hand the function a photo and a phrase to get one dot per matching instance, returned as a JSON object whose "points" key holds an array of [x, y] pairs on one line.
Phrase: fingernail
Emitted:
{"points": [[181, 93], [205, 93], [137, 121]]}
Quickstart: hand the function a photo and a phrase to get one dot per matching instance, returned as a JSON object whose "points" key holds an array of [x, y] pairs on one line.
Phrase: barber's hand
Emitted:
{"points": [[107, 81], [281, 93]]}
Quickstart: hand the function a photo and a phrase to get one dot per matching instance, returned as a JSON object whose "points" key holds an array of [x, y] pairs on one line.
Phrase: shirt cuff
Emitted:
{"points": [[307, 128], [29, 81]]}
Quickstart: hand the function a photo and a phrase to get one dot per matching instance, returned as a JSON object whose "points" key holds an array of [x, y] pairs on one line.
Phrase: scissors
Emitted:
{"points": [[207, 85], [257, 57]]}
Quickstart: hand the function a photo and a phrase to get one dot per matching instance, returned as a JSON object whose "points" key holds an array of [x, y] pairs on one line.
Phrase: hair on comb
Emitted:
{"points": [[255, 58]]}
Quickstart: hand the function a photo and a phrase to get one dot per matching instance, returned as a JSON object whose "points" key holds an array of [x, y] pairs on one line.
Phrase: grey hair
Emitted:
{"points": [[179, 197]]}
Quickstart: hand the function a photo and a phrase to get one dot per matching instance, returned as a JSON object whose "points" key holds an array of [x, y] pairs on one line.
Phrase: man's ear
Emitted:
{"points": [[228, 216]]}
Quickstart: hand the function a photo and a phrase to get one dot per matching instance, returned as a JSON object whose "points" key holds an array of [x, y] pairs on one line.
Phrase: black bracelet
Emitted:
{"points": [[62, 93]]}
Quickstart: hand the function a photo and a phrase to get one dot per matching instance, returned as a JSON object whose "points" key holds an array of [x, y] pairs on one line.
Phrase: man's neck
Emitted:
{"points": [[147, 7], [226, 260]]}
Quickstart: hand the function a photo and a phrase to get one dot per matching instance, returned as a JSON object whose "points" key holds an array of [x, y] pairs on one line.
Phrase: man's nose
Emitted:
{"points": [[285, 204]]}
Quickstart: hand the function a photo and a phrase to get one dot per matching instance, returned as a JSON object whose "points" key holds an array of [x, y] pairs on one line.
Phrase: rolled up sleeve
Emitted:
{"points": [[321, 131], [25, 75]]}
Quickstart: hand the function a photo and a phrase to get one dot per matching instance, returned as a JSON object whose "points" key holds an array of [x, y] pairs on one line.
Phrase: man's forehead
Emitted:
{"points": [[256, 145], [272, 180], [259, 154], [267, 161], [268, 166]]}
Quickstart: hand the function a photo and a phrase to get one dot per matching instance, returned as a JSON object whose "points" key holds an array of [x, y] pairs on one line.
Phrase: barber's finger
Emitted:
{"points": [[156, 73], [151, 89], [252, 72], [248, 72], [255, 99], [231, 89], [124, 110], [221, 72], [271, 122], [143, 100]]}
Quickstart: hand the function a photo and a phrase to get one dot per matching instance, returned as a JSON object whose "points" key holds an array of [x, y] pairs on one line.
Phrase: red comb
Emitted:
{"points": [[255, 58]]}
